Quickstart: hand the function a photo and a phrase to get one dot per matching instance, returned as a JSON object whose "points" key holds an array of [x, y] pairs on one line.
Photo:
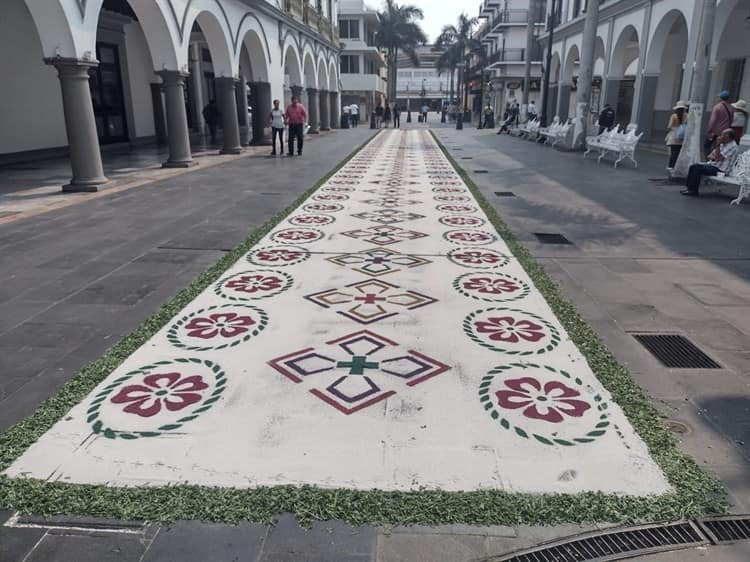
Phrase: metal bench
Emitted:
{"points": [[738, 176], [622, 143]]}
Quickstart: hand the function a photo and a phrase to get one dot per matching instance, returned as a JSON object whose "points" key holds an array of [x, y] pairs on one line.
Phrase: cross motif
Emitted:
{"points": [[357, 365]]}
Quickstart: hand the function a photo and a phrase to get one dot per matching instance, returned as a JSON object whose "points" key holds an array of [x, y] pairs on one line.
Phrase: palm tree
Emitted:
{"points": [[398, 30], [448, 62], [460, 39]]}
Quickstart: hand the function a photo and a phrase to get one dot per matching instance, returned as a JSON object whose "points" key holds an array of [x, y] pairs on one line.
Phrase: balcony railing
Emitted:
{"points": [[515, 16]]}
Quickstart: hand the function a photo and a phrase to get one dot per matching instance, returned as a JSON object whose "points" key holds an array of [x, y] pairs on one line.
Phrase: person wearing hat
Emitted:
{"points": [[676, 133], [739, 121], [721, 119], [719, 160]]}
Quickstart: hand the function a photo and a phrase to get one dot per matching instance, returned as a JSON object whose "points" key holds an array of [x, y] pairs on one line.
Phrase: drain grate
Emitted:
{"points": [[552, 238], [726, 529], [481, 172], [676, 352], [467, 158], [613, 545], [505, 194]]}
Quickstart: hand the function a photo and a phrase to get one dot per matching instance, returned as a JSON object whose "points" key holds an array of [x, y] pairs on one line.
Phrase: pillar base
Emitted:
{"points": [[186, 164], [265, 141], [324, 129], [88, 186], [230, 151]]}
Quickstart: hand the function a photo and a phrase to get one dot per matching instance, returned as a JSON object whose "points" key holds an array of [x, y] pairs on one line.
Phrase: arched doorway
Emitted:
{"points": [[256, 86], [568, 85], [622, 73], [292, 74], [312, 100]]}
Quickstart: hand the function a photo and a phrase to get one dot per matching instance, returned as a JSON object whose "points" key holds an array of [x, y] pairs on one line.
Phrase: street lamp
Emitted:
{"points": [[460, 116], [548, 64]]}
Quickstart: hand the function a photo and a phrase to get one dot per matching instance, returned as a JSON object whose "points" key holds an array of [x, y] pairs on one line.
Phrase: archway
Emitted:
{"points": [[255, 88], [663, 73], [554, 80], [600, 69], [570, 72], [312, 100], [292, 74], [622, 73]]}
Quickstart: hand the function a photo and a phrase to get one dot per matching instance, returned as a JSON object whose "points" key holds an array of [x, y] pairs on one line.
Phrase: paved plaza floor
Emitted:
{"points": [[383, 335]]}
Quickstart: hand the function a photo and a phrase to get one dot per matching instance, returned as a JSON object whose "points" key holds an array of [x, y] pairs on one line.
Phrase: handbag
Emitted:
{"points": [[680, 132]]}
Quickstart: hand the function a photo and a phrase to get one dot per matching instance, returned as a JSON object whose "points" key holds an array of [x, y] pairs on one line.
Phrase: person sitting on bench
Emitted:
{"points": [[719, 160]]}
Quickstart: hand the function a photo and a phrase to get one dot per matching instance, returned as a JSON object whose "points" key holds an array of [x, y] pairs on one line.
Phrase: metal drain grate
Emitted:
{"points": [[481, 172], [467, 158], [676, 352], [505, 194], [551, 238], [613, 545], [726, 529]]}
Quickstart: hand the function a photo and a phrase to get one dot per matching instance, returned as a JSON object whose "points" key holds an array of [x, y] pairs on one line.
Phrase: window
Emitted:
{"points": [[349, 29], [349, 64]]}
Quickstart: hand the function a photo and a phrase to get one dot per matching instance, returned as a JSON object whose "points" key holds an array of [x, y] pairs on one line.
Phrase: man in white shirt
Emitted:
{"points": [[277, 127], [718, 161], [354, 109]]}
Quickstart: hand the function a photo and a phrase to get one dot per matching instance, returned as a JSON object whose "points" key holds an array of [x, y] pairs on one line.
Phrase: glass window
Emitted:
{"points": [[349, 64], [349, 29]]}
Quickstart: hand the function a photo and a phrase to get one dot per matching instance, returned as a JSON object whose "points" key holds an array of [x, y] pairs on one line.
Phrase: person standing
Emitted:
{"points": [[277, 127], [296, 116], [531, 111], [606, 118], [676, 134], [378, 115], [396, 117], [718, 161], [212, 115], [516, 110], [387, 115], [354, 111], [739, 121], [722, 115], [425, 110]]}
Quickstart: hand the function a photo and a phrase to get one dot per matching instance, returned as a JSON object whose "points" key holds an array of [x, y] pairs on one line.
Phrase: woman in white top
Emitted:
{"points": [[277, 127], [739, 119], [676, 133]]}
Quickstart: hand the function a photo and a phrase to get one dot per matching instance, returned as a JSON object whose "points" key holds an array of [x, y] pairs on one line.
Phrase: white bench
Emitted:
{"points": [[614, 141], [738, 176], [556, 132], [526, 130]]}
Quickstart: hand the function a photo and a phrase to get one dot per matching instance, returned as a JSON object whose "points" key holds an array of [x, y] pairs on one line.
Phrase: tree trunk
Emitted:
{"points": [[691, 147], [533, 9], [585, 74]]}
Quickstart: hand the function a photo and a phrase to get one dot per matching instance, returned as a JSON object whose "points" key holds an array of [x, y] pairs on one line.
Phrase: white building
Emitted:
{"points": [[134, 71], [503, 36], [423, 84], [362, 64], [644, 57]]}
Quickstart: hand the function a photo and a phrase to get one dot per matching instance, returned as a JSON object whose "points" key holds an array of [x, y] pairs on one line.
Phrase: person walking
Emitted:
{"points": [[212, 115], [277, 127], [488, 117], [720, 159], [676, 133], [378, 115], [531, 111], [425, 110], [516, 110], [739, 121], [396, 117], [387, 115], [722, 115], [606, 118], [354, 112], [296, 116]]}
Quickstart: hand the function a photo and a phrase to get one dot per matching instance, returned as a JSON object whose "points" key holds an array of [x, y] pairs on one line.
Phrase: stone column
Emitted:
{"points": [[586, 74], [325, 111], [260, 93], [563, 101], [335, 110], [228, 108], [313, 111], [160, 119], [196, 76], [241, 97], [297, 92], [644, 116], [178, 137], [80, 125]]}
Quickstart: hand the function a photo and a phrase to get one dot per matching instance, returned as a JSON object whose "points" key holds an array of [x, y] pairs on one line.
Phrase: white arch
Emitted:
{"points": [[661, 36], [53, 23], [214, 26], [723, 14], [570, 64], [555, 67], [322, 74], [599, 57], [292, 66], [624, 52], [311, 79], [253, 38], [333, 76]]}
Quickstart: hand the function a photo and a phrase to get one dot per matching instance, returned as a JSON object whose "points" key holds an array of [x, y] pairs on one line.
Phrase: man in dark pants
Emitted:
{"points": [[718, 161], [212, 115], [606, 118], [396, 117], [296, 116]]}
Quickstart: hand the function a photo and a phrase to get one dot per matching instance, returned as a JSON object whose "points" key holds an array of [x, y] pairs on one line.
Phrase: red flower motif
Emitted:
{"points": [[547, 403], [469, 236], [254, 283], [278, 255], [461, 221], [490, 285], [298, 235], [508, 329], [478, 257], [169, 390], [311, 219], [226, 324]]}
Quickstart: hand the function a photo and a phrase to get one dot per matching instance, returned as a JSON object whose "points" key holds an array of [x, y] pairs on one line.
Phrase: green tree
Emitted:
{"points": [[447, 62], [459, 39], [398, 30]]}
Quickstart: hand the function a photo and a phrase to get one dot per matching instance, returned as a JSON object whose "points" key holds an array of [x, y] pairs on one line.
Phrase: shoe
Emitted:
{"points": [[299, 154], [273, 153], [290, 153], [689, 193]]}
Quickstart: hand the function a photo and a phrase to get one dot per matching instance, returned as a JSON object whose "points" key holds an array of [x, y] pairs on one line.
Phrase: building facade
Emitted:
{"points": [[645, 57], [423, 84], [362, 66], [83, 73], [503, 35]]}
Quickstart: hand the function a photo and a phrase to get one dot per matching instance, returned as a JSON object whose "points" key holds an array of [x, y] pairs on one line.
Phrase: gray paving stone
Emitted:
{"points": [[15, 544], [332, 538], [194, 541], [431, 548], [712, 294], [117, 289], [88, 548]]}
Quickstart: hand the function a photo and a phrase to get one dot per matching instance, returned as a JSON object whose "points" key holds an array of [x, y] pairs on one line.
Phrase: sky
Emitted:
{"points": [[437, 13]]}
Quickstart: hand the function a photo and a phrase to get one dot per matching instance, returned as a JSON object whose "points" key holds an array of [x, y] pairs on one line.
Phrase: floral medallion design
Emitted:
{"points": [[330, 197], [278, 256], [217, 327], [312, 220], [339, 189], [388, 216], [392, 191], [478, 259], [370, 301], [462, 220], [384, 235], [358, 370], [550, 406], [452, 198], [156, 399], [441, 183], [491, 287], [253, 285], [323, 208], [297, 236], [511, 331], [390, 202], [378, 261], [470, 237], [456, 209]]}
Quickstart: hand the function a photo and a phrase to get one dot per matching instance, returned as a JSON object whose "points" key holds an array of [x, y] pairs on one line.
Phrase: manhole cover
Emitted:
{"points": [[676, 352], [677, 427]]}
